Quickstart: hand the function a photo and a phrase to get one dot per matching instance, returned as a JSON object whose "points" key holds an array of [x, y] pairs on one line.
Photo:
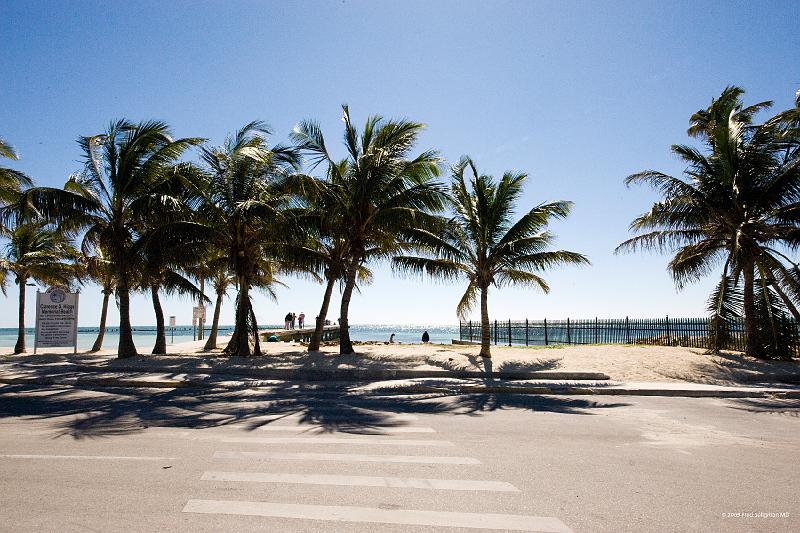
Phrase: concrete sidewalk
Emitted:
{"points": [[419, 385]]}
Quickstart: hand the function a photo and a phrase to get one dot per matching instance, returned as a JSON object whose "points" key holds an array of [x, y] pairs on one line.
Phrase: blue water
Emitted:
{"points": [[144, 336]]}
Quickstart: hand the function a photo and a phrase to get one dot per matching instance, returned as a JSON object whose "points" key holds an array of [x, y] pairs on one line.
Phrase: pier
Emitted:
{"points": [[329, 333]]}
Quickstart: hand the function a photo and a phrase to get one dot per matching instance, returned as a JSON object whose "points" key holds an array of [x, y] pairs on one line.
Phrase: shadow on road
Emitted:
{"points": [[786, 407], [83, 413]]}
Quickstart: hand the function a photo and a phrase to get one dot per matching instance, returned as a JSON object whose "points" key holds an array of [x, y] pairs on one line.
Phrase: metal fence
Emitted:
{"points": [[690, 332]]}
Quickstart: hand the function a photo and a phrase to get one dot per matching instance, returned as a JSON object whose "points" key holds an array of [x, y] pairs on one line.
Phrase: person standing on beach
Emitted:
{"points": [[294, 317], [287, 320], [301, 319]]}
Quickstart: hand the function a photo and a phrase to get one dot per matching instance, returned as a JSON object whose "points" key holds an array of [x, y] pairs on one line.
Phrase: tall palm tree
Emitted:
{"points": [[38, 251], [738, 206], [329, 255], [317, 248], [243, 196], [161, 272], [377, 192], [101, 271], [11, 181], [109, 201], [483, 245], [215, 268]]}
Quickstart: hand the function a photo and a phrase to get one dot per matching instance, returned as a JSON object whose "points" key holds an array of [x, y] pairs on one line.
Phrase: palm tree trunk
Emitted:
{"points": [[240, 341], [211, 343], [20, 346], [345, 344], [485, 337], [254, 326], [161, 332], [126, 347], [313, 346], [101, 333], [753, 348], [202, 319]]}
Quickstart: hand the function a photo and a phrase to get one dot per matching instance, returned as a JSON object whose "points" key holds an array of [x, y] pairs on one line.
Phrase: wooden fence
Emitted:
{"points": [[691, 332]]}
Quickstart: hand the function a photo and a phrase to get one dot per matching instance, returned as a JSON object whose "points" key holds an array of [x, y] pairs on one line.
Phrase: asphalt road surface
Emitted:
{"points": [[293, 459]]}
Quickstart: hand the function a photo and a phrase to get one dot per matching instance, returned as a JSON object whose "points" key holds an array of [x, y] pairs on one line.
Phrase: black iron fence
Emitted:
{"points": [[690, 332]]}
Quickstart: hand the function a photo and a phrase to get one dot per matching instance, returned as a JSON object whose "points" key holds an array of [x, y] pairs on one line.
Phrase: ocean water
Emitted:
{"points": [[144, 336]]}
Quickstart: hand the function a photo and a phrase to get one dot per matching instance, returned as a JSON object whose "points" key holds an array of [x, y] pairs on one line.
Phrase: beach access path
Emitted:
{"points": [[447, 369]]}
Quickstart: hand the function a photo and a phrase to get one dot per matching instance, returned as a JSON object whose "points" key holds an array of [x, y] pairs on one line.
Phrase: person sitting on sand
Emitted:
{"points": [[391, 339], [426, 337]]}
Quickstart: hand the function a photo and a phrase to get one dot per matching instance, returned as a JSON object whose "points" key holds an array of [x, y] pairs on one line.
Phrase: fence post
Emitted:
{"points": [[627, 331], [545, 332], [509, 332], [526, 332], [470, 331], [669, 342], [569, 339], [595, 330], [495, 332]]}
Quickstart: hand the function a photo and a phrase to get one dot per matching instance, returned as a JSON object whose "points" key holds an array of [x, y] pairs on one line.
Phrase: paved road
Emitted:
{"points": [[290, 459]]}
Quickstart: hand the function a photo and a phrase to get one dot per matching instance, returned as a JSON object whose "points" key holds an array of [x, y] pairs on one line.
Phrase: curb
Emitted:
{"points": [[594, 391], [294, 374], [112, 382]]}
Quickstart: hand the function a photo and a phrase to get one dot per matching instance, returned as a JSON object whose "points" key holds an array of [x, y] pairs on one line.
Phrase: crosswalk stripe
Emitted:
{"points": [[377, 430], [341, 513], [348, 457], [362, 481], [91, 457], [336, 440]]}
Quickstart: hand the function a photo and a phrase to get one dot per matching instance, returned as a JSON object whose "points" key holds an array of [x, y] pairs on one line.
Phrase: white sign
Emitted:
{"points": [[199, 311], [56, 319], [172, 321]]}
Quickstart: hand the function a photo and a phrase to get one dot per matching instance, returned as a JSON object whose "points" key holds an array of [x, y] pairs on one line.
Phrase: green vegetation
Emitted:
{"points": [[38, 251], [157, 215], [483, 244], [738, 205]]}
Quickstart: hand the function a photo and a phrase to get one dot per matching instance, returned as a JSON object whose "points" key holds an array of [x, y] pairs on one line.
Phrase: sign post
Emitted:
{"points": [[56, 319], [172, 327], [198, 317]]}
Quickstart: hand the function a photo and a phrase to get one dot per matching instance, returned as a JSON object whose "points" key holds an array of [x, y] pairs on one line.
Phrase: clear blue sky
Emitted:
{"points": [[578, 94]]}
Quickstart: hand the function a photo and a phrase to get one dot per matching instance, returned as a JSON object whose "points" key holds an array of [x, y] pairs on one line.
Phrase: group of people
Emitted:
{"points": [[291, 319]]}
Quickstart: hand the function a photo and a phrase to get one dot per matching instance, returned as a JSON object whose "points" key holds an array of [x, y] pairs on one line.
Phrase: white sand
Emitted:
{"points": [[620, 362]]}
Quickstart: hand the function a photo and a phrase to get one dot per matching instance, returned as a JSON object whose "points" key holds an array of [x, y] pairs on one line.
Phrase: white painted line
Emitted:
{"points": [[341, 513], [363, 481], [372, 441], [107, 457], [348, 457], [378, 430]]}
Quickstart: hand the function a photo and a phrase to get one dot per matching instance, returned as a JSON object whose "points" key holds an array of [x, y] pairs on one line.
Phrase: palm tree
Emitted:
{"points": [[11, 181], [101, 271], [121, 184], [377, 192], [215, 268], [737, 206], [36, 251], [329, 255], [242, 200], [483, 245], [161, 272], [317, 248]]}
